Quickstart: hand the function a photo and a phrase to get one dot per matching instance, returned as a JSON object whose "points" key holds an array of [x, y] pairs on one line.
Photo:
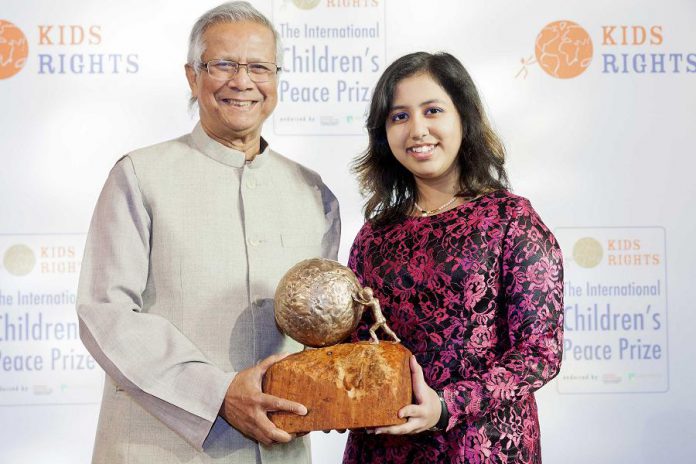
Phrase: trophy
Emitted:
{"points": [[319, 303]]}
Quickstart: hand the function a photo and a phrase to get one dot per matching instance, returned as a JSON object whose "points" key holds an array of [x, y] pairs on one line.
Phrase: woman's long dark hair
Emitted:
{"points": [[389, 187]]}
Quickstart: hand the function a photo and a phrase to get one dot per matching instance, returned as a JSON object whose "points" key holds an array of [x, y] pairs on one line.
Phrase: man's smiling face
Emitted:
{"points": [[234, 110]]}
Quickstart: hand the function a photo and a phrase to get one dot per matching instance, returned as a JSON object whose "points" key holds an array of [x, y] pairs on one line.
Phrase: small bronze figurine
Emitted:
{"points": [[366, 297]]}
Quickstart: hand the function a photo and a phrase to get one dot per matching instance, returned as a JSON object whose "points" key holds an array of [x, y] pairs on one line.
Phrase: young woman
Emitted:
{"points": [[467, 274]]}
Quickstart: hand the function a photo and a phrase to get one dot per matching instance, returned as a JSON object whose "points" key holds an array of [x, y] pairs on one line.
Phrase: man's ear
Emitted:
{"points": [[191, 77]]}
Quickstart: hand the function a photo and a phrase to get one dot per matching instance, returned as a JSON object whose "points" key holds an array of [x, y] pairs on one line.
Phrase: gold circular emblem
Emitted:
{"points": [[587, 252], [19, 260], [306, 4]]}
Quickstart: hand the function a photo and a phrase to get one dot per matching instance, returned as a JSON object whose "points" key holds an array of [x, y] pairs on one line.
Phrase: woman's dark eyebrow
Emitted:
{"points": [[434, 100], [425, 103]]}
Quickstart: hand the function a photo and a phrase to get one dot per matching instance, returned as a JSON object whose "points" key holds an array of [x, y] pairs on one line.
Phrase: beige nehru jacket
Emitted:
{"points": [[185, 249]]}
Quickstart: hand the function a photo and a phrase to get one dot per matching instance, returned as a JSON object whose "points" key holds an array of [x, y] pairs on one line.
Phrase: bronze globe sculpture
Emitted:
{"points": [[319, 302]]}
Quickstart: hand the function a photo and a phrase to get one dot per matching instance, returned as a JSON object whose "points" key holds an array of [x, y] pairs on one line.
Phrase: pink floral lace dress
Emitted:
{"points": [[476, 293]]}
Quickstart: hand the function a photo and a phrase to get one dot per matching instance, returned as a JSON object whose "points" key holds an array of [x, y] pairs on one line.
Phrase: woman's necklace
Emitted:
{"points": [[430, 212]]}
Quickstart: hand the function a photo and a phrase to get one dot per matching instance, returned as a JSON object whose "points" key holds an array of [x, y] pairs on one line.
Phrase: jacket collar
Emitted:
{"points": [[224, 154]]}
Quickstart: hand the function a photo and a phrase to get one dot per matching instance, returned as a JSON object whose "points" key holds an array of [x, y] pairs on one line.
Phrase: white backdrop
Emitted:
{"points": [[604, 153]]}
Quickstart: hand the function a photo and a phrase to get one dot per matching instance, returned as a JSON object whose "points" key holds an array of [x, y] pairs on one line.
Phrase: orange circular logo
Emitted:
{"points": [[563, 49], [13, 49]]}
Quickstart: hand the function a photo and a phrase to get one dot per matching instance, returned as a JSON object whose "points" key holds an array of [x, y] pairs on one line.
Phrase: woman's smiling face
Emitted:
{"points": [[424, 130]]}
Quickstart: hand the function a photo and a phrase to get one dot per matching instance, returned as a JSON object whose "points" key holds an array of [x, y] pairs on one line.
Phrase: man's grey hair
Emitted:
{"points": [[230, 12]]}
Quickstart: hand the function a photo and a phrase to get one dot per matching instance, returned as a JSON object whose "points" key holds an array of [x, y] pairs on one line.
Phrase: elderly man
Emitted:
{"points": [[187, 243]]}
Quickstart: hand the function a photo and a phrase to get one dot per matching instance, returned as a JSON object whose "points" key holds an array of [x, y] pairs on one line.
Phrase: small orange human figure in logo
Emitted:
{"points": [[523, 70]]}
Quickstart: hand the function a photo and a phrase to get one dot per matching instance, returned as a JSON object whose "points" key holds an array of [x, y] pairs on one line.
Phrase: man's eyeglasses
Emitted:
{"points": [[224, 70]]}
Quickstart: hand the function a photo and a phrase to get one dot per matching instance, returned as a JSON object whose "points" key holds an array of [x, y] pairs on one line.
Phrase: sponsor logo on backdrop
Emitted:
{"points": [[42, 360], [615, 310], [565, 49], [14, 49], [62, 49], [334, 52]]}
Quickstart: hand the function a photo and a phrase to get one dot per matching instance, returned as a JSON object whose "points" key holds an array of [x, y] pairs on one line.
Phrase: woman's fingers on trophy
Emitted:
{"points": [[418, 381], [425, 396], [409, 427], [422, 415], [410, 413]]}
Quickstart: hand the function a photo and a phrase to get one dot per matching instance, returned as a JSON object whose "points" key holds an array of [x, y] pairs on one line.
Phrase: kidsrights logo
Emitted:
{"points": [[62, 49], [13, 49], [564, 50]]}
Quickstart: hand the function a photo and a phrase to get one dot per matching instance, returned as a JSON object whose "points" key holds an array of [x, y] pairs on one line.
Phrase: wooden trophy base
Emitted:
{"points": [[346, 386]]}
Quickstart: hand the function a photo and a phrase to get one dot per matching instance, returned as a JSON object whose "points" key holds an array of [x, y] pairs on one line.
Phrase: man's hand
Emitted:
{"points": [[245, 406]]}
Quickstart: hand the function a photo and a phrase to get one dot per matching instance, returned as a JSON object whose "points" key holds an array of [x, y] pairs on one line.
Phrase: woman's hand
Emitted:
{"points": [[421, 416]]}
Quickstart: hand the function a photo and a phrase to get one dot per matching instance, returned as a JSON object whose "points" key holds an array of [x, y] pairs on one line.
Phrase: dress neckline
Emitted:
{"points": [[457, 208]]}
